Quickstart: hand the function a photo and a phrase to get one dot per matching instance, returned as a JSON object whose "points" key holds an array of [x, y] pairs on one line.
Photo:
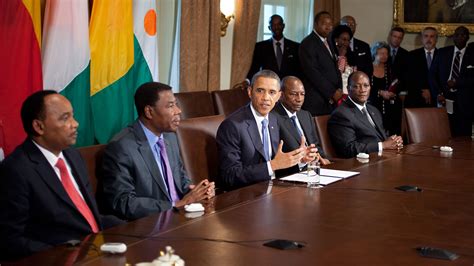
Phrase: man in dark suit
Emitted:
{"points": [[452, 77], [361, 49], [142, 168], [45, 195], [322, 78], [294, 122], [398, 58], [420, 93], [278, 53], [356, 126], [248, 140]]}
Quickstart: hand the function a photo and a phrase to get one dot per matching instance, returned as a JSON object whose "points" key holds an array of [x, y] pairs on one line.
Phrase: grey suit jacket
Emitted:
{"points": [[240, 149], [351, 132], [132, 183]]}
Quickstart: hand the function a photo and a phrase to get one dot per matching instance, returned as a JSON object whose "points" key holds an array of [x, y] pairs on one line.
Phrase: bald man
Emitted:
{"points": [[361, 49]]}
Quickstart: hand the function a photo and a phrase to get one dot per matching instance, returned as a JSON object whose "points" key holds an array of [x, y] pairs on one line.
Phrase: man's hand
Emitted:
{"points": [[337, 95], [387, 95], [425, 93], [393, 143], [284, 160], [451, 83], [311, 153], [442, 100], [203, 190]]}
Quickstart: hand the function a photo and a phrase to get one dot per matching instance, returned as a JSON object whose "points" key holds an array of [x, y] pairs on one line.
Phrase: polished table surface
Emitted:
{"points": [[362, 220]]}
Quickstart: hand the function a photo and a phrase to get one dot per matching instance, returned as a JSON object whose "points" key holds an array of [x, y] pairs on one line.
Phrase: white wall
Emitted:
{"points": [[226, 56]]}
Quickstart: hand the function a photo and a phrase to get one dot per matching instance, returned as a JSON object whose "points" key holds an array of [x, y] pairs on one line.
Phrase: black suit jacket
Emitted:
{"points": [[363, 57], [439, 75], [417, 78], [351, 132], [36, 212], [240, 149], [264, 57], [290, 136], [132, 183], [321, 75]]}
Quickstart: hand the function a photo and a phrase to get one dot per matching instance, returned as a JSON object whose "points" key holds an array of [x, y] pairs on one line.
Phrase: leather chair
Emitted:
{"points": [[195, 104], [227, 101], [197, 141], [322, 128], [92, 156], [427, 125]]}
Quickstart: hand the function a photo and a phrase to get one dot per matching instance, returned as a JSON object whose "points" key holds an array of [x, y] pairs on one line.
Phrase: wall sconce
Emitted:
{"points": [[227, 14]]}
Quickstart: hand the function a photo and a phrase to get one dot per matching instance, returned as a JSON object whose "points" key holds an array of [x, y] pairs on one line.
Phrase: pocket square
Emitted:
{"points": [[361, 54], [470, 66]]}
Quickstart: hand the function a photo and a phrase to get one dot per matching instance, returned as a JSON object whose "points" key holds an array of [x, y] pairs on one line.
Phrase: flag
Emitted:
{"points": [[144, 28], [66, 59], [118, 67], [20, 68]]}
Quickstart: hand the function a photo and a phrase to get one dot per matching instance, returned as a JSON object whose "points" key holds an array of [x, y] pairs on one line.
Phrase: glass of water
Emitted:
{"points": [[313, 174]]}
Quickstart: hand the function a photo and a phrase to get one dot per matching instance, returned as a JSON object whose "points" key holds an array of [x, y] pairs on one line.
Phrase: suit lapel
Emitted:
{"points": [[305, 125], [363, 119], [378, 123], [271, 50], [148, 157], [287, 123], [176, 175], [323, 47], [274, 133]]}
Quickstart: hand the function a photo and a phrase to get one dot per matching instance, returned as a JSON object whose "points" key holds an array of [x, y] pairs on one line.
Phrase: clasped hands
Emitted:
{"points": [[204, 190], [303, 154], [394, 142]]}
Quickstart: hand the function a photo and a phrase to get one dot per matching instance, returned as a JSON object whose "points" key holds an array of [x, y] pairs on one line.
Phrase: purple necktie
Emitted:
{"points": [[168, 175]]}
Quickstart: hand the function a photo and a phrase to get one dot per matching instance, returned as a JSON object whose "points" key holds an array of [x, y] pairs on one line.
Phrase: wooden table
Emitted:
{"points": [[358, 221]]}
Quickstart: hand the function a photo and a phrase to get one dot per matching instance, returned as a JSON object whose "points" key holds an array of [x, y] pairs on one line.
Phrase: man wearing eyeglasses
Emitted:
{"points": [[356, 126]]}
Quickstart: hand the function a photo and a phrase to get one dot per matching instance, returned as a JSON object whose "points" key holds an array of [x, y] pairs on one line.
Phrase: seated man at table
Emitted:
{"points": [[45, 195], [248, 141], [295, 122], [142, 168], [355, 126]]}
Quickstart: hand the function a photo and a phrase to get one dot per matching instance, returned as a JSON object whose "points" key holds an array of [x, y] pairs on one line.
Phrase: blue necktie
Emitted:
{"points": [[428, 59], [266, 147], [293, 119]]}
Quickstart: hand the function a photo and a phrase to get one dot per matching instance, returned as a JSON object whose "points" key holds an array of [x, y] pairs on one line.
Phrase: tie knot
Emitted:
{"points": [[293, 117], [394, 51], [364, 110], [458, 53], [429, 53], [278, 44], [161, 143], [60, 164], [265, 122]]}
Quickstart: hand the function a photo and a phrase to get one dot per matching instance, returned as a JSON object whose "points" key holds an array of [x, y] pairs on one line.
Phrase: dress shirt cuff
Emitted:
{"points": [[270, 171], [403, 93], [380, 147]]}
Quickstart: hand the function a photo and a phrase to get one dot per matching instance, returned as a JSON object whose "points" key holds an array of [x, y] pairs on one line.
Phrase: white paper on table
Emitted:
{"points": [[337, 173], [449, 106], [303, 177]]}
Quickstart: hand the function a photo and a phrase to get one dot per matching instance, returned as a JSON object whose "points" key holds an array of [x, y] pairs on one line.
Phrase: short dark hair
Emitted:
{"points": [[275, 16], [266, 74], [319, 15], [33, 108], [399, 29], [340, 29], [287, 79], [353, 76], [148, 94], [430, 28]]}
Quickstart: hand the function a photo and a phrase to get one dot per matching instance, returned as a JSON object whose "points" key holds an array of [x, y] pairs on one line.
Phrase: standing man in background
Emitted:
{"points": [[361, 49], [277, 54]]}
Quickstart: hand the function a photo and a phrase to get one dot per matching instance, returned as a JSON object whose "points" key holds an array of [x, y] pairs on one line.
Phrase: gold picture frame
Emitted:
{"points": [[444, 15]]}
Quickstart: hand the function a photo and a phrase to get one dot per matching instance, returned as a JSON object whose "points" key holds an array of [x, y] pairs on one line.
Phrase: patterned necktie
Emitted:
{"points": [[279, 54], [456, 65], [293, 119], [75, 197], [364, 111], [266, 145], [428, 59], [168, 175]]}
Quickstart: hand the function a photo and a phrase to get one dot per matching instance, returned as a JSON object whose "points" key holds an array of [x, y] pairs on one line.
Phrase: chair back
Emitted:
{"points": [[427, 125], [227, 101], [198, 146], [322, 128], [195, 104], [93, 155]]}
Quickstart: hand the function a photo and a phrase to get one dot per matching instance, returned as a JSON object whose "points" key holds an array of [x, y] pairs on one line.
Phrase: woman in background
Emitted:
{"points": [[383, 93]]}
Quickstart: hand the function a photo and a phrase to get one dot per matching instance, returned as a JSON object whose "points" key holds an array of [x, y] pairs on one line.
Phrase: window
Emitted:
{"points": [[268, 11]]}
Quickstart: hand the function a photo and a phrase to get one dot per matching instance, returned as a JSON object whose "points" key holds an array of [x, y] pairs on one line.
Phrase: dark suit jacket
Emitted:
{"points": [[240, 149], [290, 136], [439, 75], [416, 78], [264, 57], [132, 183], [363, 57], [36, 211], [321, 75], [400, 62], [351, 132]]}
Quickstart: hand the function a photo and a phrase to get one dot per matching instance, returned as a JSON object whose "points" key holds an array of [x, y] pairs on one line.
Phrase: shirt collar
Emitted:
{"points": [[357, 105], [150, 136], [432, 50], [50, 157], [290, 114], [456, 49], [320, 37], [258, 117]]}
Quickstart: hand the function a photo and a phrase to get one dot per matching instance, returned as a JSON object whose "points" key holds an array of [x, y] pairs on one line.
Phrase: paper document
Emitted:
{"points": [[303, 177], [338, 173], [449, 106]]}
